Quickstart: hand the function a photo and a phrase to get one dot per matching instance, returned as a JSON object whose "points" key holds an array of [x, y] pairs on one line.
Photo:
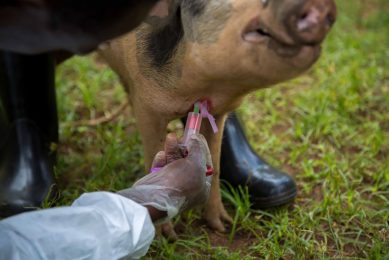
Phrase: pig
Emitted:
{"points": [[216, 51]]}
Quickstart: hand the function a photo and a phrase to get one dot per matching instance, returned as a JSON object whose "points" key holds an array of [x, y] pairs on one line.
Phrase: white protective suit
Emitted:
{"points": [[104, 225], [98, 225]]}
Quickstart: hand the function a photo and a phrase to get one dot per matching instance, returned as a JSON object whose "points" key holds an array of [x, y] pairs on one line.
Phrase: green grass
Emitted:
{"points": [[329, 129]]}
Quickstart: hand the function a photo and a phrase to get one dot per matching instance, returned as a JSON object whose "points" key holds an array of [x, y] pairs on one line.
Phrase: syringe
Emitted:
{"points": [[192, 126]]}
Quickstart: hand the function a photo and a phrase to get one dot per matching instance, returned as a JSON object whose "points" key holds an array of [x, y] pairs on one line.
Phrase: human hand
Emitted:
{"points": [[181, 183]]}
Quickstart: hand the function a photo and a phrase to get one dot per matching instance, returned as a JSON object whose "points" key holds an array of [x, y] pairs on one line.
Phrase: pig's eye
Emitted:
{"points": [[263, 32]]}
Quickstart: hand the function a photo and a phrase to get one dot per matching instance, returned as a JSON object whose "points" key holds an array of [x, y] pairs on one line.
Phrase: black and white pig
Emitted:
{"points": [[213, 50]]}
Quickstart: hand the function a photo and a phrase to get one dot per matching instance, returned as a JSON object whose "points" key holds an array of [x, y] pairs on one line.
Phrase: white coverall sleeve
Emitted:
{"points": [[99, 225]]}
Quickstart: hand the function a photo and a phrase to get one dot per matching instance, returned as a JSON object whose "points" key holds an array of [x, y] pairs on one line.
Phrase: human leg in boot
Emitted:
{"points": [[241, 166], [29, 126]]}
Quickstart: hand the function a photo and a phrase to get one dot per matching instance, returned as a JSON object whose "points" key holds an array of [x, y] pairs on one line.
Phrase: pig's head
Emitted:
{"points": [[255, 43]]}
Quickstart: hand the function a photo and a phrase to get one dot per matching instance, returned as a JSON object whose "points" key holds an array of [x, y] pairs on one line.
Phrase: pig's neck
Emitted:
{"points": [[181, 82], [190, 84]]}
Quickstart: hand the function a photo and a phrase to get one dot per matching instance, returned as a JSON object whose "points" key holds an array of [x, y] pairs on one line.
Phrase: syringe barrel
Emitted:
{"points": [[192, 126]]}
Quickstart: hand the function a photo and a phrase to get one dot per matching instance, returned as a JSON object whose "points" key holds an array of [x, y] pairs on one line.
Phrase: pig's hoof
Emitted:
{"points": [[215, 216], [168, 232]]}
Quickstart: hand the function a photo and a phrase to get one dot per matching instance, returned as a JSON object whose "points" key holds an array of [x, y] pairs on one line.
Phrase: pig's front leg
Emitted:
{"points": [[214, 212], [152, 128]]}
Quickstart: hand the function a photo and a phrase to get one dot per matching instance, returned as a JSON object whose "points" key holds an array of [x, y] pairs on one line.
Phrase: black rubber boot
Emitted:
{"points": [[241, 166], [28, 127]]}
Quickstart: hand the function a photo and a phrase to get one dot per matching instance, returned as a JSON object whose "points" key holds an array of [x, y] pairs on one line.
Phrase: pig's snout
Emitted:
{"points": [[310, 22]]}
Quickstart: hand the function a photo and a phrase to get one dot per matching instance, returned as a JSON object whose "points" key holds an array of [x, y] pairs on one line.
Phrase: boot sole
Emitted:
{"points": [[270, 202]]}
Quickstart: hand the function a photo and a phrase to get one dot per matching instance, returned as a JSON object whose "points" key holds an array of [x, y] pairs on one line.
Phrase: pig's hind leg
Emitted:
{"points": [[214, 211]]}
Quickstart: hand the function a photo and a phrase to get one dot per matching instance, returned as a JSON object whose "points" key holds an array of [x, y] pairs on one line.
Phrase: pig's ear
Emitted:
{"points": [[161, 8]]}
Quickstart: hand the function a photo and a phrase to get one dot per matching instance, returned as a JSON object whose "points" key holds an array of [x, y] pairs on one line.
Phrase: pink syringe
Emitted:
{"points": [[192, 126]]}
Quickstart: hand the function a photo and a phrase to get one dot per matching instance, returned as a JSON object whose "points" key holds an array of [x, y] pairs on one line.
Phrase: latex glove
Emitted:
{"points": [[181, 183]]}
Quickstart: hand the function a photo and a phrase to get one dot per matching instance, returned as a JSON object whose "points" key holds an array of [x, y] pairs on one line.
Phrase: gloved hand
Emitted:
{"points": [[181, 183]]}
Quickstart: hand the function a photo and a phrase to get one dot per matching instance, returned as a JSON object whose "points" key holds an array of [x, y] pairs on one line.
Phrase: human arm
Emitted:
{"points": [[99, 225], [103, 225]]}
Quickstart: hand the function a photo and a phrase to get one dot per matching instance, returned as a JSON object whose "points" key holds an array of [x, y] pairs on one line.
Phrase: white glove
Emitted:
{"points": [[181, 183]]}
